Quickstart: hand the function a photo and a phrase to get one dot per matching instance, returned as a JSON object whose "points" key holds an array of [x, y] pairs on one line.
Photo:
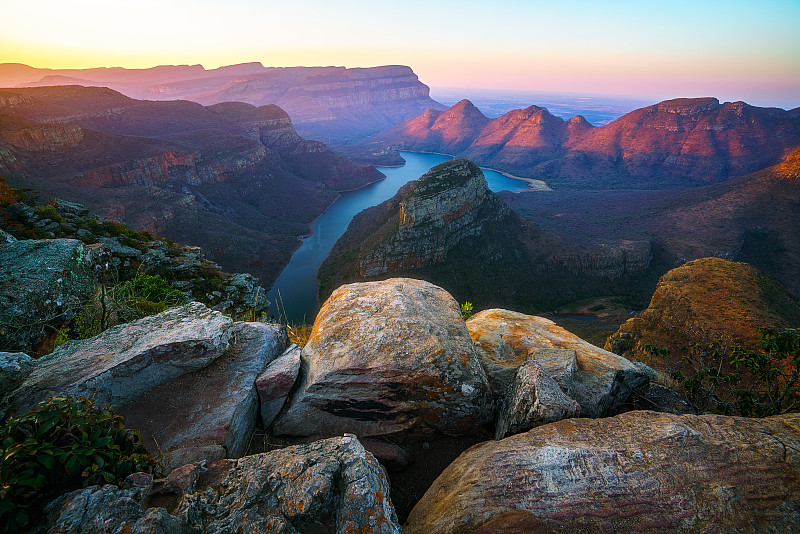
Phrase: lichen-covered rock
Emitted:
{"points": [[601, 381], [636, 472], [275, 383], [123, 362], [385, 357], [215, 405], [332, 486], [43, 283], [533, 399], [14, 368], [109, 509]]}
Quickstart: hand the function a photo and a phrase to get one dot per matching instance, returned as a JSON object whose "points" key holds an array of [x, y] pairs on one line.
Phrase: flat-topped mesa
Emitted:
{"points": [[443, 194]]}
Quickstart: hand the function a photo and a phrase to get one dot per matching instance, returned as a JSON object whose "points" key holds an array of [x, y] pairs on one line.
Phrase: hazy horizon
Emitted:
{"points": [[733, 50]]}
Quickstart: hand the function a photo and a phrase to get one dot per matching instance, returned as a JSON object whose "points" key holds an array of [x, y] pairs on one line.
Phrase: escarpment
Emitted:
{"points": [[177, 168]]}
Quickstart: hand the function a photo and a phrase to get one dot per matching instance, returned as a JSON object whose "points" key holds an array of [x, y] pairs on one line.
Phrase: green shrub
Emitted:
{"points": [[742, 381], [63, 445], [46, 211], [144, 295], [466, 310]]}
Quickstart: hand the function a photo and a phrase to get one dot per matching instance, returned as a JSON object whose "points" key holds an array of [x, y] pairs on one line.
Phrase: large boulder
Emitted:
{"points": [[127, 360], [43, 283], [600, 382], [636, 472], [276, 382], [534, 399], [216, 405], [385, 357], [331, 486]]}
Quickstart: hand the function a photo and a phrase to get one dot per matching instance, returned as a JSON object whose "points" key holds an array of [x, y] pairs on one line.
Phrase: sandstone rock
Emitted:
{"points": [[328, 486], [14, 368], [636, 472], [601, 381], [43, 283], [123, 362], [216, 405], [385, 357], [275, 383], [560, 365], [534, 399]]}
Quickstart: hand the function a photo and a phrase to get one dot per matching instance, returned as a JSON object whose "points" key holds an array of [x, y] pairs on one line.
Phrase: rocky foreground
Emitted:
{"points": [[390, 364]]}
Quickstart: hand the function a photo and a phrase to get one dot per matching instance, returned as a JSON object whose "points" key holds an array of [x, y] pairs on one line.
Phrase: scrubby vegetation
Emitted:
{"points": [[736, 380], [63, 445]]}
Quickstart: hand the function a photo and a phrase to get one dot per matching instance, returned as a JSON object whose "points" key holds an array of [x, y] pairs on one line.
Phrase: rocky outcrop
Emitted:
{"points": [[435, 213], [684, 141], [386, 357], [327, 486], [174, 416], [42, 285], [48, 138], [599, 380], [533, 399], [191, 168], [636, 472], [276, 382], [705, 301], [125, 361]]}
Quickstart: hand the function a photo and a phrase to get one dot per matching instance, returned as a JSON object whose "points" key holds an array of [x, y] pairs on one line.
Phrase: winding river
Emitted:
{"points": [[294, 294]]}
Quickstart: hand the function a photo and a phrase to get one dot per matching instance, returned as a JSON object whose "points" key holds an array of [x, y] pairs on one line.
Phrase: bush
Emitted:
{"points": [[63, 445], [144, 295], [747, 382], [466, 310]]}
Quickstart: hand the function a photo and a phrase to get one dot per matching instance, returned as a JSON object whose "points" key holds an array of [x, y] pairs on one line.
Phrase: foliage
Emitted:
{"points": [[466, 310], [743, 381], [144, 295], [62, 445]]}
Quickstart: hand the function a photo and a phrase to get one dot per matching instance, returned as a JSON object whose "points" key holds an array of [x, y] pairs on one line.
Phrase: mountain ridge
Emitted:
{"points": [[674, 143]]}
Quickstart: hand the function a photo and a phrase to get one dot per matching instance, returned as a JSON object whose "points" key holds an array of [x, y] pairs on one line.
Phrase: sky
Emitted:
{"points": [[732, 49]]}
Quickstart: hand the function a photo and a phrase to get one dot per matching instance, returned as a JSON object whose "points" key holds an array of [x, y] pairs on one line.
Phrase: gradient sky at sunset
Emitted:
{"points": [[732, 49]]}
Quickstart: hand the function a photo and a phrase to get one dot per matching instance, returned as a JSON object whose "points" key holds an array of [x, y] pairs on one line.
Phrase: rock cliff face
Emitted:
{"points": [[437, 211], [177, 168], [674, 143], [449, 228], [328, 103]]}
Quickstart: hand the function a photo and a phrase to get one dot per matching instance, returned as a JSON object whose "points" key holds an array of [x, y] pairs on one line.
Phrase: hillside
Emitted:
{"points": [[177, 168], [448, 228], [333, 104], [753, 218], [675, 143], [707, 300]]}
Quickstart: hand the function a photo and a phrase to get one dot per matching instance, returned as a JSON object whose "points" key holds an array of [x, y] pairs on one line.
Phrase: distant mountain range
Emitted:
{"points": [[333, 104], [676, 143], [234, 178]]}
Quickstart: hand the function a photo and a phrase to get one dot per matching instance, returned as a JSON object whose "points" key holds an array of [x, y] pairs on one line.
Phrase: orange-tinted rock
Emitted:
{"points": [[636, 472], [386, 357]]}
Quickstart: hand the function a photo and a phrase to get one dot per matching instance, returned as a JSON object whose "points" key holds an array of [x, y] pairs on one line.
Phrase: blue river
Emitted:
{"points": [[293, 297]]}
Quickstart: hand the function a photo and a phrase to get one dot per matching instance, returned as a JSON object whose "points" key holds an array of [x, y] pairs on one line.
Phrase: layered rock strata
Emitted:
{"points": [[636, 472]]}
